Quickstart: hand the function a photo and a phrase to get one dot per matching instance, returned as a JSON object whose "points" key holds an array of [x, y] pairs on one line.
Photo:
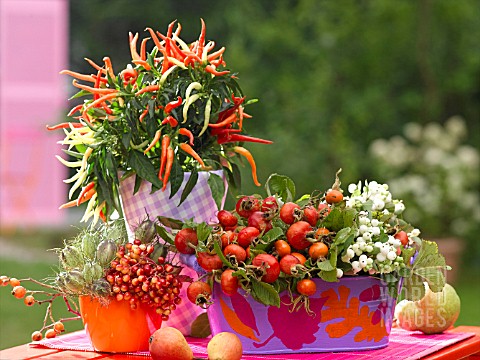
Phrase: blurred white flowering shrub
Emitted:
{"points": [[435, 173]]}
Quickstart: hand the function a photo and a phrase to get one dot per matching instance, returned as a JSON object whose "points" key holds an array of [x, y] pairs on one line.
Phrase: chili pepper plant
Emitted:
{"points": [[176, 108], [275, 242], [103, 264]]}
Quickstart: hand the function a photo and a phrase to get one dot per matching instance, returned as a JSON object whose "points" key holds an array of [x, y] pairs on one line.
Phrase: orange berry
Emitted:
{"points": [[318, 250], [19, 292], [50, 333], [282, 247], [37, 336], [4, 280], [300, 257], [14, 282], [59, 327], [333, 196], [29, 300], [321, 231]]}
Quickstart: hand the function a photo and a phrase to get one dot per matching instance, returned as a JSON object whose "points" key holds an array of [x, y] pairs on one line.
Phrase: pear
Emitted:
{"points": [[225, 346], [432, 314], [168, 343]]}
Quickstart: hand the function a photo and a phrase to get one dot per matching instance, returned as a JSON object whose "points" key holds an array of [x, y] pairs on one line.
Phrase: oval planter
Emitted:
{"points": [[352, 314], [116, 327]]}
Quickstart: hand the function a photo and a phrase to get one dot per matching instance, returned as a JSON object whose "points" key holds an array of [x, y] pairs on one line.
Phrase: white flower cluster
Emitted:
{"points": [[374, 250]]}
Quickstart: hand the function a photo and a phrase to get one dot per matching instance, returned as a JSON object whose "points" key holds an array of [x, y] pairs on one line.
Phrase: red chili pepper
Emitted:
{"points": [[143, 114], [227, 138], [176, 51], [201, 39], [188, 133], [154, 141], [75, 109], [212, 70], [168, 167], [191, 59], [64, 125], [163, 157], [129, 75], [86, 193], [170, 28], [237, 101], [216, 54], [143, 49], [172, 105], [188, 149], [231, 119], [155, 39], [244, 152], [94, 65], [170, 120]]}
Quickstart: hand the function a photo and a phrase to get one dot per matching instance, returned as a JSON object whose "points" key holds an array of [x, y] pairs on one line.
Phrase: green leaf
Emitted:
{"points": [[203, 232], [176, 178], [165, 235], [413, 288], [219, 252], [265, 293], [171, 223], [330, 276], [325, 266], [273, 234], [282, 186], [433, 276], [144, 168], [217, 187], [192, 181]]}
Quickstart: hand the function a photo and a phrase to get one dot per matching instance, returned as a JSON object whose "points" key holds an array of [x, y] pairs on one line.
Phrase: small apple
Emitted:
{"points": [[433, 314]]}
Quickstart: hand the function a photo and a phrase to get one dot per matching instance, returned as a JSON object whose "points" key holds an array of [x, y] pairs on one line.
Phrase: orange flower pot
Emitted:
{"points": [[116, 327]]}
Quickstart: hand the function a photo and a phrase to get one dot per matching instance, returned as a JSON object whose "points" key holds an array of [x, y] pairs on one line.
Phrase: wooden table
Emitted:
{"points": [[469, 348]]}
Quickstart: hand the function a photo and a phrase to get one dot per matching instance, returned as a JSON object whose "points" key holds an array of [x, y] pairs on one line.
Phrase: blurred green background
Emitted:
{"points": [[332, 77]]}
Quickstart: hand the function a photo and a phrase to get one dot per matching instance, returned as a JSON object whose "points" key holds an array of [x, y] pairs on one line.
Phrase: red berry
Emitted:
{"points": [[289, 212], [228, 237], [226, 218], [287, 262], [269, 264], [186, 240], [402, 236], [209, 262], [306, 287], [247, 235], [237, 251], [260, 220], [229, 283], [247, 205], [199, 293], [297, 235], [310, 215]]}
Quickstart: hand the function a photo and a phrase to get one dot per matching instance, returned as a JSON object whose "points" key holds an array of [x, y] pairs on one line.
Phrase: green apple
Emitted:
{"points": [[433, 314]]}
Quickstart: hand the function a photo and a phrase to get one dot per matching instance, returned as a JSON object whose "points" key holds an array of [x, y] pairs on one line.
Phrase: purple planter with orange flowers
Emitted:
{"points": [[354, 313]]}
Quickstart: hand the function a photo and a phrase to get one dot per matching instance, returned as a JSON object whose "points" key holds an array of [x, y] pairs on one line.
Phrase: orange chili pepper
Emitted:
{"points": [[143, 63], [143, 49], [94, 90], [149, 88], [86, 193], [186, 132], [170, 28], [68, 204], [155, 39], [133, 46], [79, 76], [163, 156], [143, 114], [108, 65], [244, 152], [172, 105], [154, 141], [189, 150], [216, 54], [75, 109], [168, 167], [94, 65], [101, 100], [64, 125], [212, 70]]}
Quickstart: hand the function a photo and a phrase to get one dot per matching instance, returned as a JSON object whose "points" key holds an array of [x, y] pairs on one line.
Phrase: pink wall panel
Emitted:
{"points": [[33, 49]]}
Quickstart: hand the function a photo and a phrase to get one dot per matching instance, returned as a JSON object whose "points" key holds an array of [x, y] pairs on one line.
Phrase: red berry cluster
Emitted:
{"points": [[136, 278]]}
